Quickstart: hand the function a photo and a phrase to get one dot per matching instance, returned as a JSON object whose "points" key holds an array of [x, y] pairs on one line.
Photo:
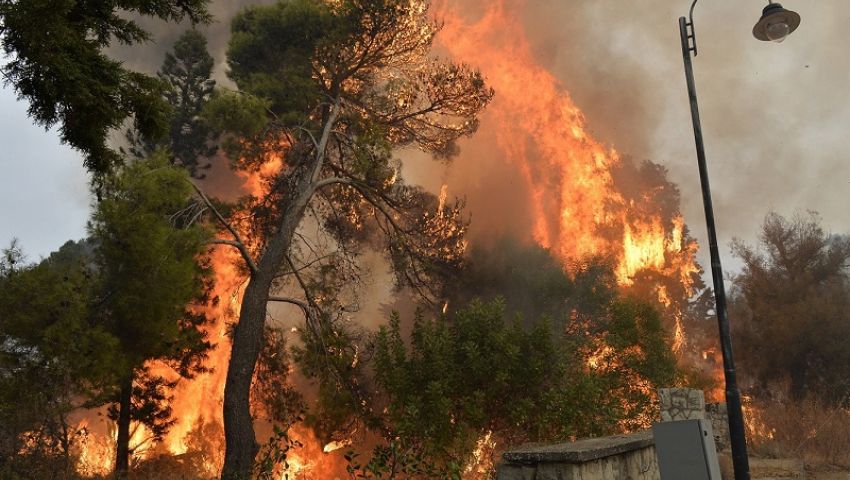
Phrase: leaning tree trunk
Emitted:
{"points": [[122, 447], [240, 442]]}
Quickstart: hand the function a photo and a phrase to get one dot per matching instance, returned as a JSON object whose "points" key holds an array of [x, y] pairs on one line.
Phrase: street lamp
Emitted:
{"points": [[775, 24]]}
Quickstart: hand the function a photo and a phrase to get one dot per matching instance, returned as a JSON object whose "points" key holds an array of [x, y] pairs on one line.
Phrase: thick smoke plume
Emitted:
{"points": [[772, 143]]}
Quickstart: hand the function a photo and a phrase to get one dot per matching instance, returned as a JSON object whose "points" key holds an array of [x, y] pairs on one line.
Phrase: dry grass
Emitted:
{"points": [[808, 430]]}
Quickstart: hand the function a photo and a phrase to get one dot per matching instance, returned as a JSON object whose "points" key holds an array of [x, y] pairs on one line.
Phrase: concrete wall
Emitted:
{"points": [[618, 457]]}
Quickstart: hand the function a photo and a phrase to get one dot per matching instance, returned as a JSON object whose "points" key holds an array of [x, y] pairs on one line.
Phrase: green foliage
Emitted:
{"points": [[43, 375], [330, 356], [89, 316], [529, 279], [273, 455], [640, 359], [271, 54], [149, 268], [186, 72], [398, 460], [273, 394], [448, 383], [44, 305], [239, 115], [57, 64], [791, 309], [634, 329], [147, 258]]}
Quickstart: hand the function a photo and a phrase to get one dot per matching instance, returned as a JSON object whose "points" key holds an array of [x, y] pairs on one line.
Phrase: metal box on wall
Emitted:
{"points": [[685, 450]]}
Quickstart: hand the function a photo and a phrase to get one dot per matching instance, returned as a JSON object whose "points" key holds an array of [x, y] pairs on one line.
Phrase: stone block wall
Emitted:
{"points": [[681, 404], [618, 457], [719, 418], [689, 404]]}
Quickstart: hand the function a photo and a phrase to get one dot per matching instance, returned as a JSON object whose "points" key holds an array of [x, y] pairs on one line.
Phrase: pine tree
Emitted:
{"points": [[186, 72], [95, 314], [54, 59]]}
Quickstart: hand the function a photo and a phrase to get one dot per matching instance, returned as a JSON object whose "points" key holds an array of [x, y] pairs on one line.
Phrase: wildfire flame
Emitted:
{"points": [[575, 201], [196, 403], [578, 204], [535, 122]]}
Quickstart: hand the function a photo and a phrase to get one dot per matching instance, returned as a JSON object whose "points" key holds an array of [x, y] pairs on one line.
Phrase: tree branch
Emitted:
{"points": [[323, 141], [293, 301], [243, 250], [329, 181], [237, 242]]}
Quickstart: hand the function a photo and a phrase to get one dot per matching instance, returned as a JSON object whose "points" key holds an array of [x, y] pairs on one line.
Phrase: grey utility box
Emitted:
{"points": [[685, 450]]}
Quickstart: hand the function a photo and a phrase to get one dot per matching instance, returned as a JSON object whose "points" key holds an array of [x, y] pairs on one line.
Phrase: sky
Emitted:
{"points": [[44, 197], [775, 116]]}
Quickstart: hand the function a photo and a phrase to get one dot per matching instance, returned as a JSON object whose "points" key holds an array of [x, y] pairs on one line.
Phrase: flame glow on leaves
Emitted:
{"points": [[197, 402], [575, 204]]}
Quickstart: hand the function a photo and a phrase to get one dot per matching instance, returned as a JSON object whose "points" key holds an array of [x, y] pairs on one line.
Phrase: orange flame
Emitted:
{"points": [[570, 174], [197, 403], [575, 204]]}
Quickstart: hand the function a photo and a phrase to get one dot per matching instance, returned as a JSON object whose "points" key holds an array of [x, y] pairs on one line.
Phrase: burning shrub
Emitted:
{"points": [[459, 376], [814, 431]]}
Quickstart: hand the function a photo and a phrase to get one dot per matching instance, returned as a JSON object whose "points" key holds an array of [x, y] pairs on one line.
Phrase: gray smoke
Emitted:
{"points": [[773, 115]]}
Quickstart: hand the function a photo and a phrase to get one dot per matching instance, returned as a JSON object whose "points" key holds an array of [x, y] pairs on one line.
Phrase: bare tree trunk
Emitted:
{"points": [[122, 447], [240, 442]]}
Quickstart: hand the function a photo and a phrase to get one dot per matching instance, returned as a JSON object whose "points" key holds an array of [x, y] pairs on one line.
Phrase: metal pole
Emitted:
{"points": [[733, 397]]}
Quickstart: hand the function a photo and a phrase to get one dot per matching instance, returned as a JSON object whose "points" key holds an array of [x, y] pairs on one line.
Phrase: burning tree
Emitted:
{"points": [[330, 89], [147, 257], [474, 373], [520, 328], [97, 315]]}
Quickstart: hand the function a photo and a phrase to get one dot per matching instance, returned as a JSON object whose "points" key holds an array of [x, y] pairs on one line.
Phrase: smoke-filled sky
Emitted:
{"points": [[774, 116]]}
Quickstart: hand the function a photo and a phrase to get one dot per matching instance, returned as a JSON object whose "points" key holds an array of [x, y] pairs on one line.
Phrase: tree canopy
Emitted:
{"points": [[94, 314], [791, 307], [186, 73], [56, 63]]}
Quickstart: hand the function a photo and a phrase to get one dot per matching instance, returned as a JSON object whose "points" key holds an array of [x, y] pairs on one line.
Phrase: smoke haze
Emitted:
{"points": [[773, 115]]}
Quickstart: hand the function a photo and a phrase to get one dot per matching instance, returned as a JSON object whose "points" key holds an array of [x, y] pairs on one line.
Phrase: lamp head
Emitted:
{"points": [[776, 23]]}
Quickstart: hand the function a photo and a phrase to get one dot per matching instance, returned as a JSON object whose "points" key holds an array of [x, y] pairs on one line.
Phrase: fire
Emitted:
{"points": [[754, 423], [197, 403], [714, 360], [643, 247], [580, 203], [96, 453], [575, 198], [336, 445], [599, 358], [95, 450], [483, 461], [577, 206], [309, 459]]}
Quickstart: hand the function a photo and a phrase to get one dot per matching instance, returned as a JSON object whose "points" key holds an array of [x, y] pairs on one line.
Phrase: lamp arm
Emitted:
{"points": [[693, 34]]}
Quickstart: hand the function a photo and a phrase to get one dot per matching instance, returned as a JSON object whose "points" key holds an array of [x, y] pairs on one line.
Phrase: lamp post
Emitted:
{"points": [[775, 24]]}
